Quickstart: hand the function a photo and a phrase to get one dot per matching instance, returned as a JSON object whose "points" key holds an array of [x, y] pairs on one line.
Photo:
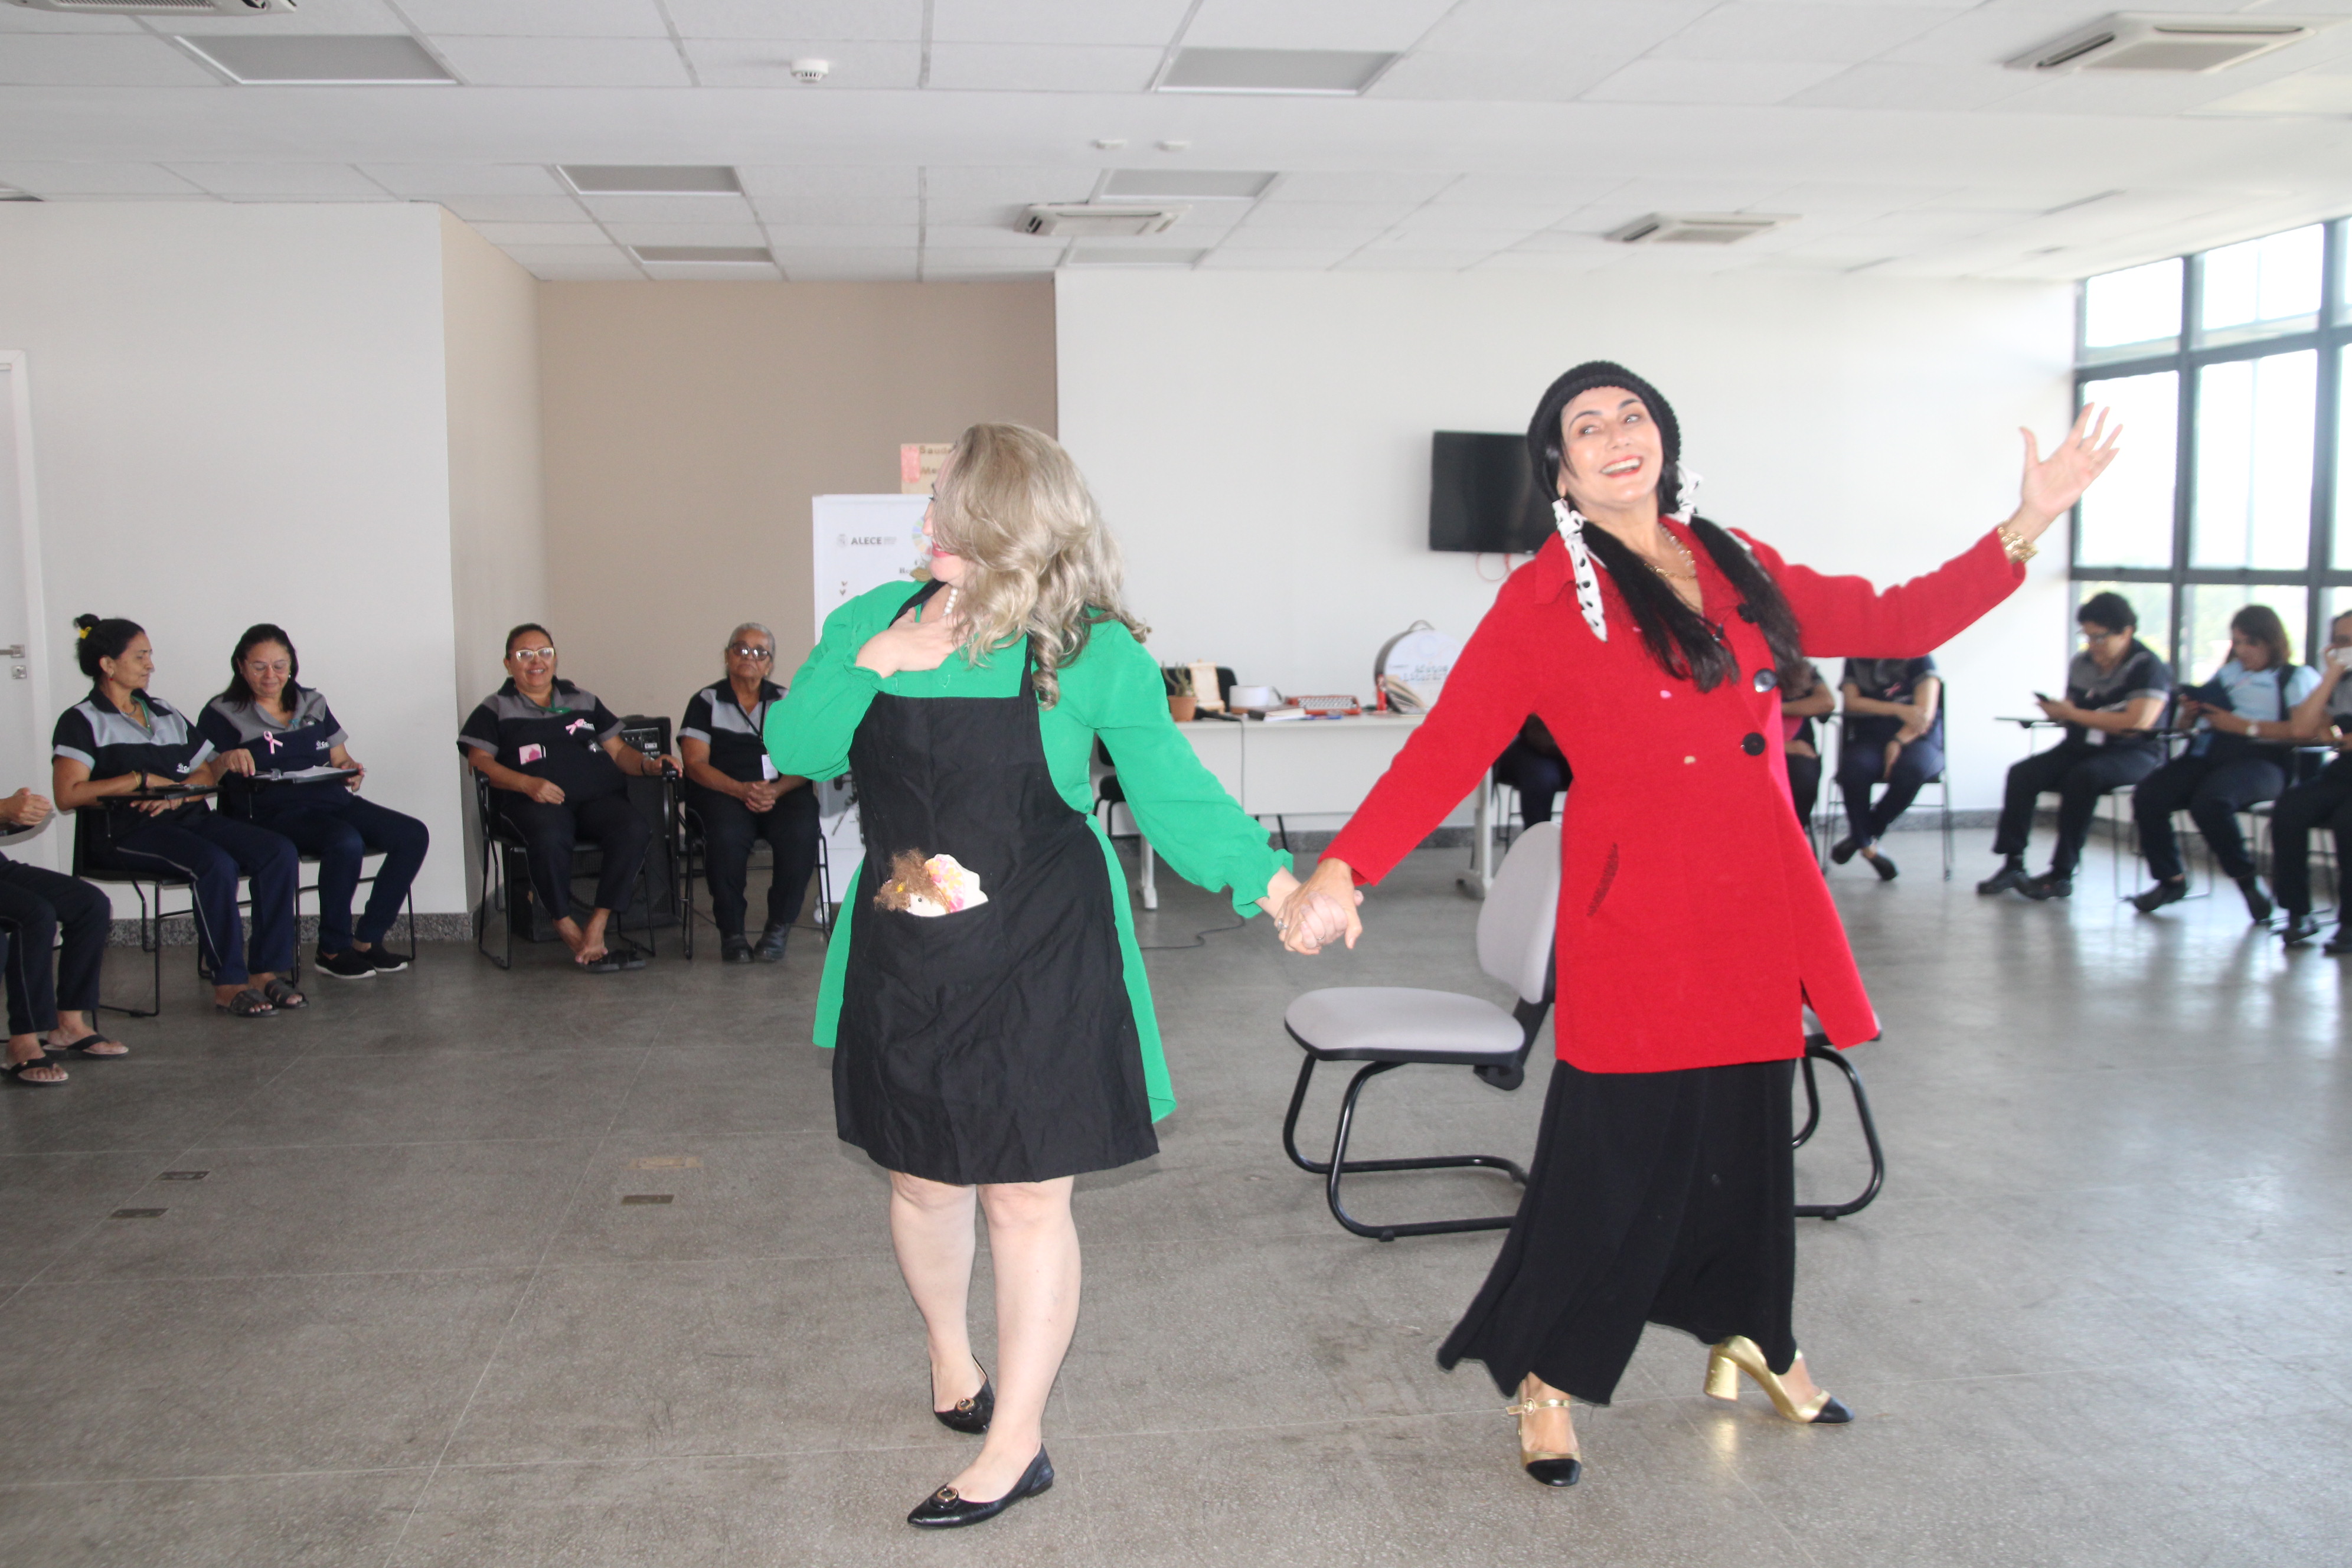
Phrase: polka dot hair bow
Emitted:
{"points": [[1588, 586]]}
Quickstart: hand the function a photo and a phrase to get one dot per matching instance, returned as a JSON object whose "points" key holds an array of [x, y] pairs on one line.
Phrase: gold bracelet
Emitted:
{"points": [[2015, 545]]}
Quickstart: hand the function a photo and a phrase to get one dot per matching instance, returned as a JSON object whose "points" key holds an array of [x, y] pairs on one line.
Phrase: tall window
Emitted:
{"points": [[2227, 369]]}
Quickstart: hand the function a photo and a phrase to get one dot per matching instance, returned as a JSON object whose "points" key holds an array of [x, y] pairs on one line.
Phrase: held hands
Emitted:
{"points": [[912, 645], [24, 809], [2054, 484], [1322, 910]]}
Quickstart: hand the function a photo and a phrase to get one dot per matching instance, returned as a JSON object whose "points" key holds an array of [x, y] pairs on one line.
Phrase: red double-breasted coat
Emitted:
{"points": [[1693, 919]]}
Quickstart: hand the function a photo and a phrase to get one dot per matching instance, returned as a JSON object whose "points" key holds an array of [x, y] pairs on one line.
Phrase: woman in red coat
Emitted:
{"points": [[1694, 923]]}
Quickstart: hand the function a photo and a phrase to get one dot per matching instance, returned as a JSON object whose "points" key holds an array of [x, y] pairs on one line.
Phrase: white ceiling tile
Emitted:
{"points": [[54, 180], [1881, 84], [1750, 31], [505, 233], [314, 16], [963, 258], [1367, 185], [14, 19], [1483, 240], [988, 236], [1152, 23], [1326, 215], [511, 209], [2119, 92], [1313, 24], [688, 233], [1246, 238], [537, 19], [782, 191], [1838, 197], [842, 236], [714, 209], [767, 62], [1710, 83], [88, 60], [1561, 30], [1372, 259], [564, 62], [1560, 261], [313, 182], [1227, 259], [1043, 68], [571, 255], [1499, 76], [849, 264], [1554, 241], [900, 21], [2307, 92], [562, 273], [1513, 218], [1992, 32], [439, 180], [1540, 188]]}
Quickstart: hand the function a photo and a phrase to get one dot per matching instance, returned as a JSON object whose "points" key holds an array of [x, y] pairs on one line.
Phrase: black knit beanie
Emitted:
{"points": [[1543, 431]]}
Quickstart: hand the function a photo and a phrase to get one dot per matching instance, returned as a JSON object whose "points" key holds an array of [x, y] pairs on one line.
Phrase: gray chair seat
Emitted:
{"points": [[1397, 1024]]}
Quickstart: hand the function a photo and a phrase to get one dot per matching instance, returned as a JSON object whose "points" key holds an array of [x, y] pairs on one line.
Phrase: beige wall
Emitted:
{"points": [[687, 426]]}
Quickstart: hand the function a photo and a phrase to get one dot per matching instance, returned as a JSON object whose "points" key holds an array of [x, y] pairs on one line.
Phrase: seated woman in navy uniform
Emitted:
{"points": [[558, 767], [267, 726], [119, 741], [1895, 736], [732, 784], [52, 940]]}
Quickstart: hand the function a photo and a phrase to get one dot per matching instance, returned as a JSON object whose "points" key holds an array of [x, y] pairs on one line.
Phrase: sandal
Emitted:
{"points": [[16, 1071], [246, 1003], [284, 995], [87, 1041]]}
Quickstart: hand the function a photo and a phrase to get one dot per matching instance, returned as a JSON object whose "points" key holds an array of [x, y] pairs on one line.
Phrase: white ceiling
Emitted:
{"points": [[1511, 135]]}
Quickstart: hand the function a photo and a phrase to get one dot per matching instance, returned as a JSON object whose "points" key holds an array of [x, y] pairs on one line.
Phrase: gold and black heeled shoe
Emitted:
{"points": [[1552, 1468], [1736, 1354]]}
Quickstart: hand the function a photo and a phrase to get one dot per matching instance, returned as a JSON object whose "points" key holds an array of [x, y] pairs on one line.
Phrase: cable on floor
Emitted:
{"points": [[1200, 939]]}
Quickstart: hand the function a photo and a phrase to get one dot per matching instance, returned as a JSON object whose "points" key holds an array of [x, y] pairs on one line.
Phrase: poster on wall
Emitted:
{"points": [[862, 542]]}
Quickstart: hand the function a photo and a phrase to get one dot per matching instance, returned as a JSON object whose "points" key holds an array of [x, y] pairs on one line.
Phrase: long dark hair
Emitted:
{"points": [[100, 638], [1682, 641], [239, 690]]}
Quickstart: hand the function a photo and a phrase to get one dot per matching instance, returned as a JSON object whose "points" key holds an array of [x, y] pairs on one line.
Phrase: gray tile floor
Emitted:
{"points": [[406, 1319]]}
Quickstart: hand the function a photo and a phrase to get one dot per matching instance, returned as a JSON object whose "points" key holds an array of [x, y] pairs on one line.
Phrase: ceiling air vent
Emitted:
{"points": [[1093, 220], [162, 8], [1697, 229], [2138, 41]]}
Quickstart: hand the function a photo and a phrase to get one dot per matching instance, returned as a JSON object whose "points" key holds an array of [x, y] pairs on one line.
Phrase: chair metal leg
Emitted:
{"points": [[495, 894], [147, 946], [1818, 1048], [1339, 1164]]}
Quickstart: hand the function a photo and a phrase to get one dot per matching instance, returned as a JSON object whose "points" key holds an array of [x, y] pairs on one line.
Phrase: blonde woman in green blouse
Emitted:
{"points": [[992, 1028]]}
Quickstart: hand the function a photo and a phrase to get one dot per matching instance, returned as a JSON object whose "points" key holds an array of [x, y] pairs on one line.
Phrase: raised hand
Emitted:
{"points": [[2054, 484]]}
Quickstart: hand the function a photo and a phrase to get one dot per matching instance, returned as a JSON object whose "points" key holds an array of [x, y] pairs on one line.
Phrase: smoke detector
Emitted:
{"points": [[811, 70], [162, 8], [2137, 41], [1092, 220], [1697, 229]]}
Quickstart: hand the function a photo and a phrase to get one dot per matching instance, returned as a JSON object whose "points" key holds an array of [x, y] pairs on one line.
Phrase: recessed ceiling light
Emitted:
{"points": [[651, 179], [319, 59], [717, 255], [1228, 182], [1099, 218], [1136, 256], [1275, 70], [2136, 41]]}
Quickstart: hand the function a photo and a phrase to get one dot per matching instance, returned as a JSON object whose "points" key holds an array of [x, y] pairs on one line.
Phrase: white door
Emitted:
{"points": [[24, 641]]}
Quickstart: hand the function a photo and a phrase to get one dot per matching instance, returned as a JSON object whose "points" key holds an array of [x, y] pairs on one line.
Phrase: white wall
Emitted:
{"points": [[1260, 444], [239, 415]]}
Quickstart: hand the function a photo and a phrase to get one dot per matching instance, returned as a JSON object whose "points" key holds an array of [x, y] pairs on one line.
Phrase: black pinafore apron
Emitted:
{"points": [[997, 1043]]}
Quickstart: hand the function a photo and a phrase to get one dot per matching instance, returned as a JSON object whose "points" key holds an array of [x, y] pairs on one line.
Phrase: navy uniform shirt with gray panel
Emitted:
{"points": [[716, 719], [111, 743], [2139, 673], [306, 740], [562, 743], [1888, 680]]}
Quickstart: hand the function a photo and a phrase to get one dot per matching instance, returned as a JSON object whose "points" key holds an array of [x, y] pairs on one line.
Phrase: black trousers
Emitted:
{"points": [[2324, 802], [341, 828], [1660, 1197], [209, 852], [610, 822], [728, 830], [1805, 784], [2214, 790], [1538, 778], [1860, 766], [36, 906], [2080, 774]]}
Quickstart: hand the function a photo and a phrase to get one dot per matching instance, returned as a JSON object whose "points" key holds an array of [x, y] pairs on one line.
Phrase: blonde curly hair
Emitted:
{"points": [[1038, 562]]}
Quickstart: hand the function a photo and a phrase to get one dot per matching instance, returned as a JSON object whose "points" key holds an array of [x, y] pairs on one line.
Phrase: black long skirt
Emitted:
{"points": [[1663, 1197]]}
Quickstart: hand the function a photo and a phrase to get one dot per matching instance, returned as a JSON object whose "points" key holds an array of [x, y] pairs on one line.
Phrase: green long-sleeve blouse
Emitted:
{"points": [[1112, 691]]}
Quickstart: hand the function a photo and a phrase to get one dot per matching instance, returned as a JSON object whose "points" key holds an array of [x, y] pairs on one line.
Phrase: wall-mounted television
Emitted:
{"points": [[1483, 496]]}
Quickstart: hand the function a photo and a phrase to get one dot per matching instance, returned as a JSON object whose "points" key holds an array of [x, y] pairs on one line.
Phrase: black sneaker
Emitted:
{"points": [[771, 944], [1883, 864], [2258, 903], [736, 949], [2298, 927], [348, 965], [2049, 885], [386, 961], [1844, 849], [2002, 880], [2163, 893]]}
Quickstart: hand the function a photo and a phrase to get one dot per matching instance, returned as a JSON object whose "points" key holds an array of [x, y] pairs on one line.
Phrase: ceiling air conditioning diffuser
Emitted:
{"points": [[1092, 220], [2140, 41], [162, 8], [1697, 229]]}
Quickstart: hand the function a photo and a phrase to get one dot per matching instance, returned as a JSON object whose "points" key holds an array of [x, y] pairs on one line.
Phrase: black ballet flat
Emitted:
{"points": [[943, 1510], [970, 1416]]}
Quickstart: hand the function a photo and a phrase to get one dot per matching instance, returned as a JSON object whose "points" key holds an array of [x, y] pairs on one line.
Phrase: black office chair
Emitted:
{"points": [[151, 913], [505, 868], [1819, 1049]]}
